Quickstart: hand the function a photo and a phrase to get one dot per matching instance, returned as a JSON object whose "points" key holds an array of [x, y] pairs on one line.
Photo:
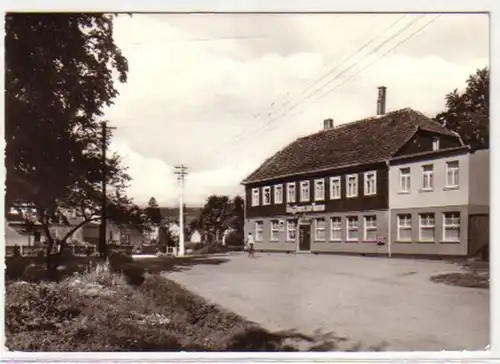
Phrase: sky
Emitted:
{"points": [[220, 93]]}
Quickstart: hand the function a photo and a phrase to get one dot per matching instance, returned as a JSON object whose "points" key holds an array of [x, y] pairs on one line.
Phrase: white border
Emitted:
{"points": [[292, 6]]}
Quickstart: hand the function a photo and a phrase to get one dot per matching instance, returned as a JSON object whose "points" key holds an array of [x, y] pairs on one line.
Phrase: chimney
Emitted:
{"points": [[327, 124], [382, 90]]}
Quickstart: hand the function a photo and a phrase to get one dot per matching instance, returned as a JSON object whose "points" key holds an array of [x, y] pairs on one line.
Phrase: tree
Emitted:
{"points": [[221, 213], [153, 212], [59, 71], [214, 216], [152, 203], [468, 112]]}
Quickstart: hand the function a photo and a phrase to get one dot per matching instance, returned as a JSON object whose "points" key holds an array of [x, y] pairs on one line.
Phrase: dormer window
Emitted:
{"points": [[435, 143]]}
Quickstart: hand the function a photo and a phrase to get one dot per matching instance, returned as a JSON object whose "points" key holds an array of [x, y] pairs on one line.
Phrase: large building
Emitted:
{"points": [[439, 199], [338, 190]]}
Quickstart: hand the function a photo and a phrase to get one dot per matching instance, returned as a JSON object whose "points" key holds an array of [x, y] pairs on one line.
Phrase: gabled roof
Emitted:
{"points": [[369, 140]]}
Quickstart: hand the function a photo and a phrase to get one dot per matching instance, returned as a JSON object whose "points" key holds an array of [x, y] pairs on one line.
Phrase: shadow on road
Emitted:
{"points": [[257, 339], [170, 264]]}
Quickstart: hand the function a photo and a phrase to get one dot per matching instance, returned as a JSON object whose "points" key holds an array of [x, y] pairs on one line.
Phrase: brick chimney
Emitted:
{"points": [[328, 124], [382, 90]]}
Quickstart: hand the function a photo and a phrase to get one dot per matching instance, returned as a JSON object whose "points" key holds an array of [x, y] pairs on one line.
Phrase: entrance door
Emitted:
{"points": [[304, 238]]}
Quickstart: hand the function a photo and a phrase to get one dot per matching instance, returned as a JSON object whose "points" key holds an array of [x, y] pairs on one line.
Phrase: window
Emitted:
{"points": [[266, 195], [275, 230], [352, 228], [370, 228], [336, 228], [334, 188], [291, 230], [290, 191], [452, 174], [451, 226], [278, 194], [352, 185], [304, 191], [427, 227], [259, 230], [255, 197], [370, 183], [435, 143], [427, 174], [404, 227], [319, 225], [404, 180], [319, 189]]}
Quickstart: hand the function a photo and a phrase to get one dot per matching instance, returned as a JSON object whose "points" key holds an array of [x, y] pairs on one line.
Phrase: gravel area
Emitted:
{"points": [[377, 302]]}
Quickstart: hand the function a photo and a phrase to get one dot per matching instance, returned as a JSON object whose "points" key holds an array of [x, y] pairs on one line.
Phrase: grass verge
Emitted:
{"points": [[100, 311]]}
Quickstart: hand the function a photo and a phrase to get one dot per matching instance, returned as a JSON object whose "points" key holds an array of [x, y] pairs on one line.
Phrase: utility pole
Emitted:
{"points": [[181, 172], [102, 226]]}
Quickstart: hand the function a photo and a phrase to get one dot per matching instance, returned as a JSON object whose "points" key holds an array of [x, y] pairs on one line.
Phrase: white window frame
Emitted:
{"points": [[316, 228], [451, 226], [405, 179], [255, 196], [289, 188], [407, 217], [435, 143], [274, 230], [456, 171], [318, 182], [366, 190], [421, 227], [367, 228], [289, 224], [348, 228], [333, 227], [335, 182], [356, 188], [259, 230], [304, 198], [279, 188], [428, 173], [264, 189]]}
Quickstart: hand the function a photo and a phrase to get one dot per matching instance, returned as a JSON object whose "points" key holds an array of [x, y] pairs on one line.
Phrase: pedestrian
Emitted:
{"points": [[250, 245]]}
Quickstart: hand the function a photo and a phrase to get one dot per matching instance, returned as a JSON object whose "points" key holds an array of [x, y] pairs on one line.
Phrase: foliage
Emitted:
{"points": [[96, 311], [467, 113], [221, 213], [59, 71], [153, 212]]}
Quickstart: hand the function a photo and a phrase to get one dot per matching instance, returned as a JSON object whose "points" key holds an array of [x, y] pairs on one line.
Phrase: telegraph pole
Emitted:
{"points": [[102, 226], [181, 172]]}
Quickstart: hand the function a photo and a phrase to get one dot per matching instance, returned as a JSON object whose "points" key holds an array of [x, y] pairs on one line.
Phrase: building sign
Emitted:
{"points": [[294, 209]]}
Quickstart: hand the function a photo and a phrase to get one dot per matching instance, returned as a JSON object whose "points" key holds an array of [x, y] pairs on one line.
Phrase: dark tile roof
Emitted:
{"points": [[369, 140]]}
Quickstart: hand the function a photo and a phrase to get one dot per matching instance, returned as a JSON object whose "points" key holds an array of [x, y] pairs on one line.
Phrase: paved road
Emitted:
{"points": [[367, 300]]}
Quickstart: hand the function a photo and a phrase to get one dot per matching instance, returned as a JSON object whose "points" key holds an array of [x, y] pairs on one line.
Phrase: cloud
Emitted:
{"points": [[200, 84]]}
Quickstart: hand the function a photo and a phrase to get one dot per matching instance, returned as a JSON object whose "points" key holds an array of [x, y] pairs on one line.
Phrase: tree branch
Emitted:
{"points": [[79, 226]]}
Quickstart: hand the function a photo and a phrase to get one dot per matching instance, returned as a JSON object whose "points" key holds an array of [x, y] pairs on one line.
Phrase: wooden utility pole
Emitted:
{"points": [[104, 216], [181, 172]]}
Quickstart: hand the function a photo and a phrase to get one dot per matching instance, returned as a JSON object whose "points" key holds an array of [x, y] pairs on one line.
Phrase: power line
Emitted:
{"points": [[295, 105], [241, 136], [376, 60]]}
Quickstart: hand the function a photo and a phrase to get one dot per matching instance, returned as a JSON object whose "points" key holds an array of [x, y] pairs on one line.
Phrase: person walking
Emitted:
{"points": [[250, 245]]}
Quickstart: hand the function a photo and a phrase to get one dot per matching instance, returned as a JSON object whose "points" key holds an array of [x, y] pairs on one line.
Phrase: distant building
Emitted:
{"points": [[195, 237]]}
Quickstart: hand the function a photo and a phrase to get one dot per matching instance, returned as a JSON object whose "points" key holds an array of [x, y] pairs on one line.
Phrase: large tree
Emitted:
{"points": [[467, 112], [60, 72]]}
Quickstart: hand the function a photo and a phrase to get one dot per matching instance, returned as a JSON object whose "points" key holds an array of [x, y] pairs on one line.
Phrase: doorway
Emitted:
{"points": [[304, 238]]}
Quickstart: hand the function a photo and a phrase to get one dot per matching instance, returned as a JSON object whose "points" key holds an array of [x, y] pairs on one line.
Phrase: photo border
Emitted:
{"points": [[293, 6]]}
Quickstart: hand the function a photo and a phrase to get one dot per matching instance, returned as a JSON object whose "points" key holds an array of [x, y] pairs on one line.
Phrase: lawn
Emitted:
{"points": [[95, 308]]}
